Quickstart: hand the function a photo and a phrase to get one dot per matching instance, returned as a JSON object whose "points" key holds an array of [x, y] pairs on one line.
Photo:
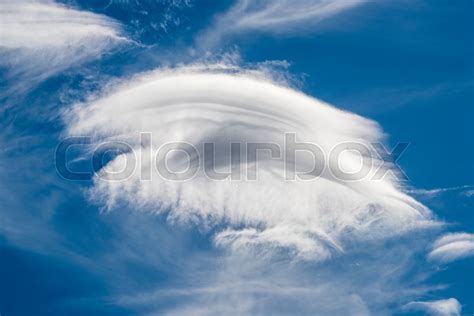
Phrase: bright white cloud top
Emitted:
{"points": [[203, 105], [43, 37], [452, 247]]}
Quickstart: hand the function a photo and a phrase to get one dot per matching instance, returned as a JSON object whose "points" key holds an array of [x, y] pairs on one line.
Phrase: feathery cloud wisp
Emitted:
{"points": [[448, 307], [276, 17], [283, 16], [452, 247], [40, 38]]}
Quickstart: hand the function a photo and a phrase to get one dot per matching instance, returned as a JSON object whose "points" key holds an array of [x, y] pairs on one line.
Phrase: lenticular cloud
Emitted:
{"points": [[196, 105]]}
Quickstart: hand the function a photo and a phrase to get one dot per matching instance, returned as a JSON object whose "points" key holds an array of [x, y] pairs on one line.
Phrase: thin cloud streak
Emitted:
{"points": [[465, 189], [279, 17], [447, 307], [452, 247]]}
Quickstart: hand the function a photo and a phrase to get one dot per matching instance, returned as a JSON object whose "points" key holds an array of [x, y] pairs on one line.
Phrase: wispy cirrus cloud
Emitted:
{"points": [[40, 38], [451, 247], [283, 16], [447, 307], [370, 280], [429, 193], [275, 17]]}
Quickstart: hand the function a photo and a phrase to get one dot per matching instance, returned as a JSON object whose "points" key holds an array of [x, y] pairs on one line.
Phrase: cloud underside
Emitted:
{"points": [[197, 105]]}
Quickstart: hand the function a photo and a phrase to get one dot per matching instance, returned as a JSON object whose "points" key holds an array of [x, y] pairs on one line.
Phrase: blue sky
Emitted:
{"points": [[74, 68]]}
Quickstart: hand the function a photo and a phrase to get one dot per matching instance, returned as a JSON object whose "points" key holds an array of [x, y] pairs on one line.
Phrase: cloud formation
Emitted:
{"points": [[283, 16], [40, 38], [448, 307], [275, 17], [205, 104], [430, 193], [327, 218], [452, 247]]}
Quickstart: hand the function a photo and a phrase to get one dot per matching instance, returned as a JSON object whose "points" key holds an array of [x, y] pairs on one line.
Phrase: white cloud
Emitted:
{"points": [[284, 15], [370, 280], [430, 193], [277, 17], [198, 105], [311, 220], [468, 193], [448, 307], [452, 247], [40, 38]]}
